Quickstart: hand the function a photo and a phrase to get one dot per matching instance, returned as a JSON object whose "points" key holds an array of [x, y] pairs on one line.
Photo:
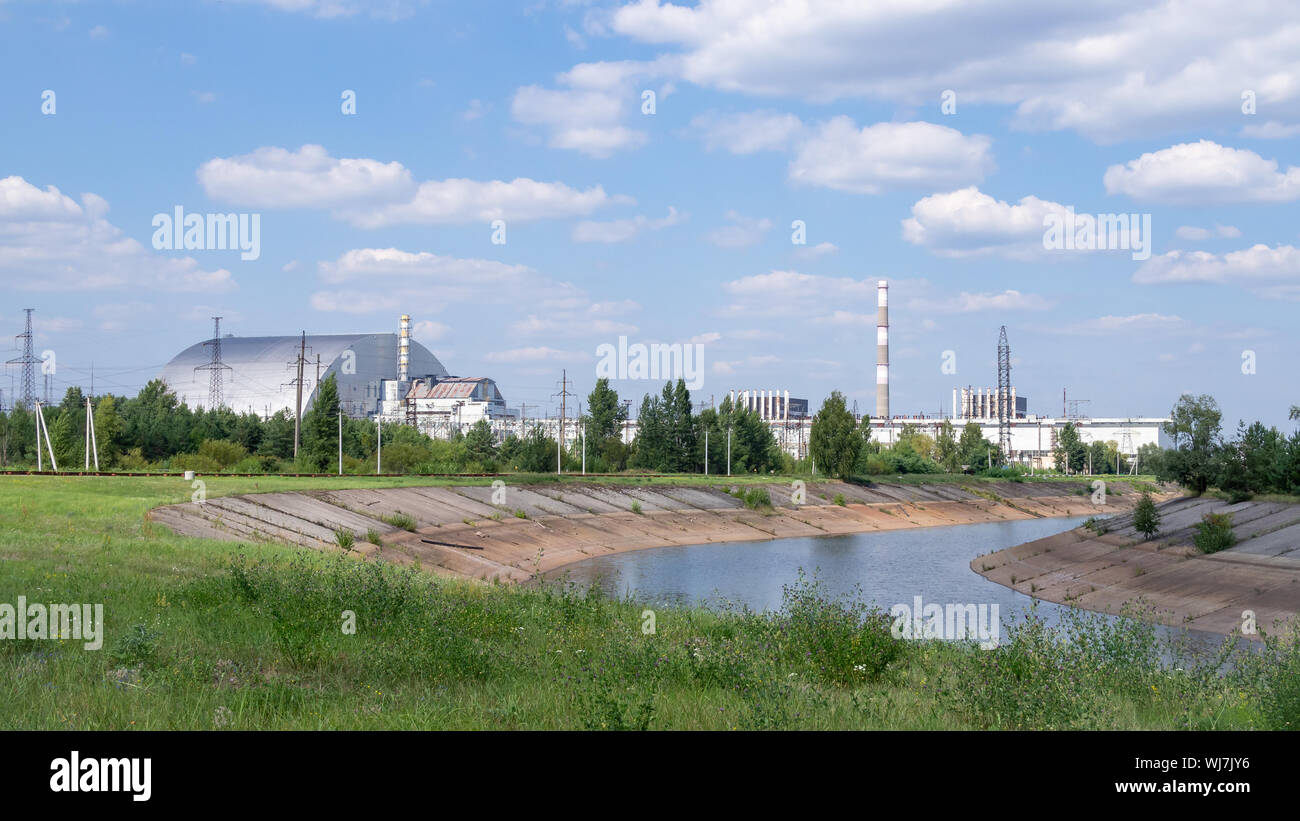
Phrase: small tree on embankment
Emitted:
{"points": [[1146, 519]]}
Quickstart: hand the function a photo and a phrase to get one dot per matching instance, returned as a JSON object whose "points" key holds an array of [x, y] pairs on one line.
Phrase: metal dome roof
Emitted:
{"points": [[262, 370]]}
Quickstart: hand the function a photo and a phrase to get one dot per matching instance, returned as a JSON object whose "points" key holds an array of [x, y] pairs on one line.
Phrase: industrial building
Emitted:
{"points": [[982, 403], [378, 375], [261, 371], [771, 406]]}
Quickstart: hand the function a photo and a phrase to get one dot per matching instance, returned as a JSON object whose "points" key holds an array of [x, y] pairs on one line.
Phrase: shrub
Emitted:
{"points": [[400, 520], [344, 538], [841, 640], [225, 453], [839, 499], [757, 497], [138, 647], [1214, 533], [636, 507], [373, 537], [1145, 517]]}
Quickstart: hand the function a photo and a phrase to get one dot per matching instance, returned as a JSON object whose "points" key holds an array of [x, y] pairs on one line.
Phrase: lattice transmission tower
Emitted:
{"points": [[29, 362], [215, 367], [1005, 412]]}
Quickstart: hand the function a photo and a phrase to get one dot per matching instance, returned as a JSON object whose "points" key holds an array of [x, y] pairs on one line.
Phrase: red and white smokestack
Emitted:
{"points": [[404, 349], [882, 349]]}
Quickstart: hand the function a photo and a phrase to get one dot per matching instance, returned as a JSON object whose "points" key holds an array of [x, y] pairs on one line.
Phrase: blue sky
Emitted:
{"points": [[673, 226]]}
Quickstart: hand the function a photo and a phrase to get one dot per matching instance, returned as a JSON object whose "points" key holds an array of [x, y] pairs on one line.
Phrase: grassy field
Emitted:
{"points": [[212, 635]]}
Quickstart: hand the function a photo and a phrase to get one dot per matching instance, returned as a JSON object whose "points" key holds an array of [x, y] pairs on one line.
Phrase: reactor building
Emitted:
{"points": [[259, 373]]}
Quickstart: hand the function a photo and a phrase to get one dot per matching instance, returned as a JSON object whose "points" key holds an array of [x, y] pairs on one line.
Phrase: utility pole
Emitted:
{"points": [[564, 394], [41, 427], [92, 446], [297, 416], [706, 451], [728, 450], [582, 431], [627, 418], [340, 443], [379, 446]]}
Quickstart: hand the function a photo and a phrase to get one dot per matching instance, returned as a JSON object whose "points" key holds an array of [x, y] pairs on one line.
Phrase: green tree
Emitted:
{"points": [[1071, 453], [945, 447], [973, 450], [320, 428], [108, 430], [1194, 425], [480, 444], [1146, 519], [836, 439]]}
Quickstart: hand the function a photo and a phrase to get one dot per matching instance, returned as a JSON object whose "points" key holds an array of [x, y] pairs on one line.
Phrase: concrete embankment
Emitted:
{"points": [[460, 531], [1103, 572]]}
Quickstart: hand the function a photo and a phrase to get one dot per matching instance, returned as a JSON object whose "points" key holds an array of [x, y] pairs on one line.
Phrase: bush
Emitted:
{"points": [[1214, 533], [839, 499], [344, 538], [400, 520], [225, 453], [841, 640], [757, 497], [195, 462]]}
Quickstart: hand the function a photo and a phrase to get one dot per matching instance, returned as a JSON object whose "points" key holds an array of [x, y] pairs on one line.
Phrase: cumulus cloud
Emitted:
{"points": [[1197, 234], [614, 231], [968, 303], [1271, 130], [795, 294], [590, 110], [969, 223], [50, 242], [1203, 172], [1110, 70], [889, 156], [748, 132], [373, 194], [1254, 266]]}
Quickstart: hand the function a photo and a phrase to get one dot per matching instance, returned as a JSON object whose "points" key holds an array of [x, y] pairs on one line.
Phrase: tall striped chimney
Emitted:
{"points": [[404, 349], [882, 349]]}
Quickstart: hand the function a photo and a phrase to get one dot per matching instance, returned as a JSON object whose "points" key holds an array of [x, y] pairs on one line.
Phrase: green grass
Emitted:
{"points": [[203, 634]]}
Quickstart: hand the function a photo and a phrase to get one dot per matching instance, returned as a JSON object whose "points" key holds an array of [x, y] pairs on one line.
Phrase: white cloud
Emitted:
{"points": [[273, 177], [49, 242], [750, 132], [1271, 130], [534, 354], [966, 303], [821, 249], [1112, 69], [427, 331], [795, 294], [373, 194], [1197, 234], [330, 9], [625, 229], [1121, 324], [1252, 266], [889, 156], [968, 223], [1203, 172], [589, 113], [99, 33], [743, 231]]}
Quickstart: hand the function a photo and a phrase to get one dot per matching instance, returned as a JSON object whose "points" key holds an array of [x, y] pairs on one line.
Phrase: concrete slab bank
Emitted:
{"points": [[460, 531], [1103, 572]]}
